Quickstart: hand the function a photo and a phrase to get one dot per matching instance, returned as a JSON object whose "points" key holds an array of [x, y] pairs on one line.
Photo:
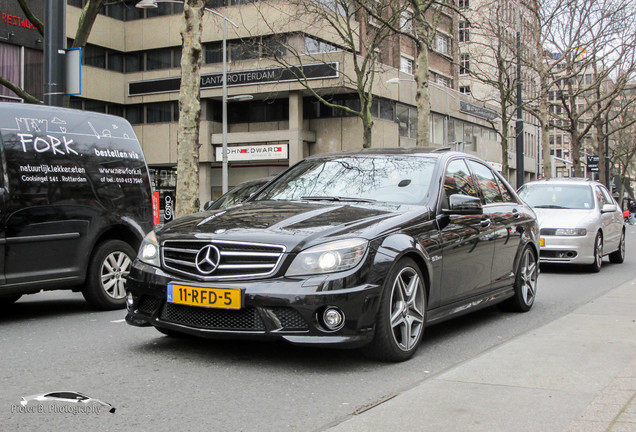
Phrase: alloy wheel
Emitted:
{"points": [[407, 309], [114, 271], [528, 277]]}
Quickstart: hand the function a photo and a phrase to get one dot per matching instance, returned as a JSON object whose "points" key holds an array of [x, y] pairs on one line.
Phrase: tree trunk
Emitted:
{"points": [[86, 21], [187, 194], [423, 97]]}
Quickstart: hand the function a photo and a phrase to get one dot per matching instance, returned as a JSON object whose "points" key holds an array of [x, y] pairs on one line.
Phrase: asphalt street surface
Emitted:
{"points": [[53, 341]]}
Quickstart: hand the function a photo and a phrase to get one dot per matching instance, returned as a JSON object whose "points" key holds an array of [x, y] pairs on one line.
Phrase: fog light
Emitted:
{"points": [[333, 318], [129, 301]]}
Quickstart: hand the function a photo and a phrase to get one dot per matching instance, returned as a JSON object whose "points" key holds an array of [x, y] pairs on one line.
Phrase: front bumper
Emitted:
{"points": [[567, 249], [278, 308]]}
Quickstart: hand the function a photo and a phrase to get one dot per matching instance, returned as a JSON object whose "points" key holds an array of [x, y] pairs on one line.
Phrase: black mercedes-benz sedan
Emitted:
{"points": [[355, 249]]}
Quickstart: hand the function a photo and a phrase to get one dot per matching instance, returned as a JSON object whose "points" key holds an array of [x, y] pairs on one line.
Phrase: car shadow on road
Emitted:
{"points": [[279, 354], [40, 305]]}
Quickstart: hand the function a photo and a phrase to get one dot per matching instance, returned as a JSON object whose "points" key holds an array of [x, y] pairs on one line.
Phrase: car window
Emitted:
{"points": [[457, 180], [505, 192], [386, 178], [606, 195], [559, 196], [486, 181]]}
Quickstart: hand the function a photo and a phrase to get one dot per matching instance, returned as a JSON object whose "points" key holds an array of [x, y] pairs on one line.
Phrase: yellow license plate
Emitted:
{"points": [[542, 242], [224, 298]]}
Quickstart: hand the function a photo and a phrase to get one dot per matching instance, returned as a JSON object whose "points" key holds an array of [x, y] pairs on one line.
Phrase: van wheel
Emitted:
{"points": [[105, 286]]}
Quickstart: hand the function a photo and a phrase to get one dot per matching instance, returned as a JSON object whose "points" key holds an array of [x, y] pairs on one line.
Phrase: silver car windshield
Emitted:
{"points": [[558, 196], [385, 178]]}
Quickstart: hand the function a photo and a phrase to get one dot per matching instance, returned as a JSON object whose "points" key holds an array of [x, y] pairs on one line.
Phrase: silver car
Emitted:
{"points": [[579, 220]]}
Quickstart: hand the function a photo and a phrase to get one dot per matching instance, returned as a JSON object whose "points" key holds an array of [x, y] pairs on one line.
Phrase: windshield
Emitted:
{"points": [[545, 195], [385, 178]]}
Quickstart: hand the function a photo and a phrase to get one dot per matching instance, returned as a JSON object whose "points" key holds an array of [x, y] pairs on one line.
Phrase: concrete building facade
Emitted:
{"points": [[130, 68]]}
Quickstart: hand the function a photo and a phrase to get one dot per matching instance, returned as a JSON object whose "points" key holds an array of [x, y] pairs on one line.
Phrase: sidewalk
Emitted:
{"points": [[577, 373]]}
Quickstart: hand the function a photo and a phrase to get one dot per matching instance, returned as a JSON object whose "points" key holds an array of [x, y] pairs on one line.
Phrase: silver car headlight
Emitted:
{"points": [[570, 232], [149, 250], [329, 257]]}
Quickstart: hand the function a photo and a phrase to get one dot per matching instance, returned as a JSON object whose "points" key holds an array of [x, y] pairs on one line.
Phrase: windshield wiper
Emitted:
{"points": [[336, 198], [549, 206]]}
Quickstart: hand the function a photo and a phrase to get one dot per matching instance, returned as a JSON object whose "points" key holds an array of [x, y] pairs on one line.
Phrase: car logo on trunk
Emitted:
{"points": [[207, 259]]}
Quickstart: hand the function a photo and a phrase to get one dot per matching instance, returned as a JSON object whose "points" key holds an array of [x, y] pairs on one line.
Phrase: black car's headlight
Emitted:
{"points": [[329, 257], [149, 250]]}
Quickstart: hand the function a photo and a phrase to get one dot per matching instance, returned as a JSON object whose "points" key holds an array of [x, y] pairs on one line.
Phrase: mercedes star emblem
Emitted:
{"points": [[207, 259]]}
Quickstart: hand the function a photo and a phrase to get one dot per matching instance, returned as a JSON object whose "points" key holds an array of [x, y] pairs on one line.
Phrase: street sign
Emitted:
{"points": [[592, 163]]}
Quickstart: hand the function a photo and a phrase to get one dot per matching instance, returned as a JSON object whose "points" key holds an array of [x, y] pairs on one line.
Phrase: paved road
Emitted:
{"points": [[54, 341]]}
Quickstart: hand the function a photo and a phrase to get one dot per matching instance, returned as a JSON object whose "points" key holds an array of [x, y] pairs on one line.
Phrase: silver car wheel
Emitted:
{"points": [[407, 309], [598, 251], [528, 277], [114, 271]]}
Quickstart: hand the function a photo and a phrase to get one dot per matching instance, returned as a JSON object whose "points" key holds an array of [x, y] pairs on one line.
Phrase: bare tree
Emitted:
{"points": [[623, 152], [418, 20], [187, 193], [348, 22], [593, 41], [493, 61]]}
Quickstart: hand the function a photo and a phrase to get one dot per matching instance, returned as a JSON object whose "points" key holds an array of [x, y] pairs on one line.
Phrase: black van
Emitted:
{"points": [[75, 202]]}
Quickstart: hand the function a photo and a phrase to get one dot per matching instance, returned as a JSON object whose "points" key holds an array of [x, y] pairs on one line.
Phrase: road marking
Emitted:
{"points": [[118, 321]]}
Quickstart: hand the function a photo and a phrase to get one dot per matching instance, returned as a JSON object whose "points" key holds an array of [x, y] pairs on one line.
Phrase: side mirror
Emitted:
{"points": [[609, 208], [207, 205], [464, 205]]}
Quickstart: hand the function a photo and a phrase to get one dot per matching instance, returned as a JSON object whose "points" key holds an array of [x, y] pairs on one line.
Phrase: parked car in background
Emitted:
{"points": [[237, 194], [75, 203], [355, 249], [580, 222]]}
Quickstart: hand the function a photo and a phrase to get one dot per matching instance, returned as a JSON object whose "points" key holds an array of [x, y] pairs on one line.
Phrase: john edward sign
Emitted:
{"points": [[247, 77]]}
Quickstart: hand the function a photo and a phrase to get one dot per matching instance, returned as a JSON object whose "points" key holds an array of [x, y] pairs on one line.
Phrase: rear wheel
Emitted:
{"points": [[595, 267], [618, 256], [525, 283], [105, 286], [401, 316]]}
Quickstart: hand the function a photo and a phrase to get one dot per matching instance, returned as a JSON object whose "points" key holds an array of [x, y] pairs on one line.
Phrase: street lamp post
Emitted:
{"points": [[149, 4]]}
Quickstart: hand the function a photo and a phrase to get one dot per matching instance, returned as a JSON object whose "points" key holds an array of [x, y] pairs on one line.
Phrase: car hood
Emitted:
{"points": [[292, 223], [565, 218]]}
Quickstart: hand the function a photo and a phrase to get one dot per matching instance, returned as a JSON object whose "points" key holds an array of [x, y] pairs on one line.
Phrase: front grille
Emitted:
{"points": [[559, 254], [290, 319], [148, 304], [234, 260], [214, 319]]}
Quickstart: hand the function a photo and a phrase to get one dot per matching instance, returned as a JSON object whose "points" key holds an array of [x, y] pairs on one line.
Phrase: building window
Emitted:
{"points": [[464, 89], [463, 4], [464, 64], [442, 44], [464, 31], [442, 80], [406, 65], [314, 46], [406, 117]]}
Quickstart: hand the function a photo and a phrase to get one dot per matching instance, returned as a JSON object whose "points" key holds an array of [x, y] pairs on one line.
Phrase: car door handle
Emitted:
{"points": [[485, 223], [516, 214]]}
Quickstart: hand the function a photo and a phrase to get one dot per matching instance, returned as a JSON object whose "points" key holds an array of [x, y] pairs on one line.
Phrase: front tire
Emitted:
{"points": [[525, 283], [595, 267], [401, 316], [618, 256], [105, 286]]}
